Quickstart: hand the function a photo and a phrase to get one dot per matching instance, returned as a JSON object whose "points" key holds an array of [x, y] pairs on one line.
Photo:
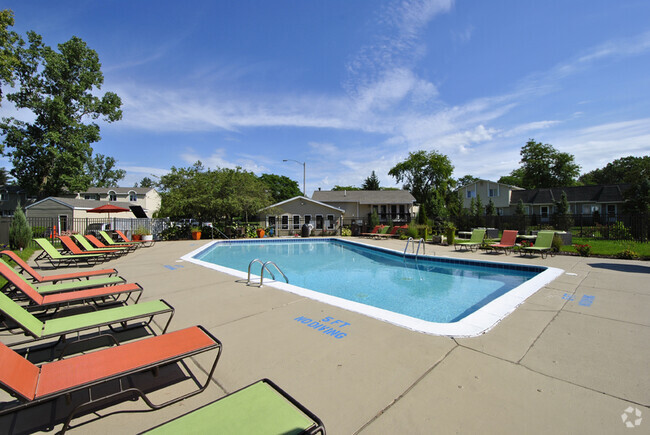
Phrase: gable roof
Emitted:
{"points": [[596, 194], [78, 204], [481, 180], [302, 198], [365, 196], [117, 190]]}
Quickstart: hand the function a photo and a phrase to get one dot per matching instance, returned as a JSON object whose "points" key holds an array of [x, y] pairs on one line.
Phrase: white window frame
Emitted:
{"points": [[307, 219], [320, 223], [471, 193], [112, 196], [493, 193], [133, 197], [329, 222], [284, 222], [296, 226]]}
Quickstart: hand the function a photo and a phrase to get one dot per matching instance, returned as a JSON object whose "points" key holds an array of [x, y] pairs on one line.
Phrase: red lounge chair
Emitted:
{"points": [[32, 384], [52, 279], [374, 231], [507, 243], [99, 244], [70, 246]]}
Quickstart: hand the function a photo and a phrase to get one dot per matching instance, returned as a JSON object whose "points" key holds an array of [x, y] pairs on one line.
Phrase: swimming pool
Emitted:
{"points": [[428, 294]]}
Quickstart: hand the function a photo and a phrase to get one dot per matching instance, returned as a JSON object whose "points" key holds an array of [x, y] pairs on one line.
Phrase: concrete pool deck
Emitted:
{"points": [[571, 359]]}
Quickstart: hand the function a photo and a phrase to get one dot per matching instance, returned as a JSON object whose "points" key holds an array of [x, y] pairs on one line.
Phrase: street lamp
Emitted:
{"points": [[304, 192]]}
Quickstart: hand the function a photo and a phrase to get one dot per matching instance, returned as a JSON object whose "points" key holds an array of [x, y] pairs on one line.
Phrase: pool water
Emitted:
{"points": [[431, 289]]}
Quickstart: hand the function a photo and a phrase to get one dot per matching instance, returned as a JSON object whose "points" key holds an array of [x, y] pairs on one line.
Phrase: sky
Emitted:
{"points": [[350, 87]]}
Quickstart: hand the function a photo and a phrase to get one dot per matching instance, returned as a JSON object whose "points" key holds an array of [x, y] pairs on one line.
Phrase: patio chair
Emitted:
{"points": [[85, 244], [100, 245], [61, 326], [474, 241], [50, 298], [543, 245], [261, 407], [374, 231], [70, 246], [57, 259], [507, 243], [145, 243], [32, 385], [53, 279], [14, 279], [108, 240]]}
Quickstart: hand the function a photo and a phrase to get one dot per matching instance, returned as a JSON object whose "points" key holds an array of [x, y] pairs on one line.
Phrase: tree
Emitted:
{"points": [[146, 182], [467, 179], [371, 183], [624, 170], [341, 188], [544, 166], [637, 197], [424, 174], [280, 187], [102, 172], [520, 212], [516, 178], [563, 220], [51, 153], [211, 194], [8, 60], [20, 233], [4, 177], [490, 209]]}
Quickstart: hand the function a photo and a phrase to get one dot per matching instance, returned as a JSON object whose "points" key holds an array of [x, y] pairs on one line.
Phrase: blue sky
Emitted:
{"points": [[353, 86]]}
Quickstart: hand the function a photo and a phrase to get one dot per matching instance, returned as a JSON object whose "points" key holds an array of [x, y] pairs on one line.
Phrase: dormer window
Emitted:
{"points": [[112, 196], [133, 197]]}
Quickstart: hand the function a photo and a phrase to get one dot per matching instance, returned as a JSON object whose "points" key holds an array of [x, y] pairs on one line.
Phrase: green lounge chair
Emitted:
{"points": [[475, 241], [32, 385], [57, 259], [98, 244], [36, 277], [61, 326], [108, 240], [54, 296], [85, 244], [260, 408], [543, 245]]}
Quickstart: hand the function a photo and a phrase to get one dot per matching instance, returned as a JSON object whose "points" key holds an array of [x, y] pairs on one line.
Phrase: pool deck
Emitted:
{"points": [[571, 359]]}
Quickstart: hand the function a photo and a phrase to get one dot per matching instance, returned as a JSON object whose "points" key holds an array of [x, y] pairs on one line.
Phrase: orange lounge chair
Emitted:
{"points": [[507, 243], [52, 279], [374, 231], [70, 246], [100, 245], [32, 384]]}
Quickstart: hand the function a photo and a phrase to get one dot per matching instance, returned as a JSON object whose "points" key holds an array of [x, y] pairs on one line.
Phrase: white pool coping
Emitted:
{"points": [[477, 323]]}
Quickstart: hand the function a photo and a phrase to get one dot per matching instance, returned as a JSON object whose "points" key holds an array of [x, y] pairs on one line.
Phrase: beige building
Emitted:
{"points": [[391, 205], [499, 193], [287, 217], [147, 198]]}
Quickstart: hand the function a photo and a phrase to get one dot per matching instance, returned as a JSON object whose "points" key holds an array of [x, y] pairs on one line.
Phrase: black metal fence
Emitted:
{"points": [[619, 227]]}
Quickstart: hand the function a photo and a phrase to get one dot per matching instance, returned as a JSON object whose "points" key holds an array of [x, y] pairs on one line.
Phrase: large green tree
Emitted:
{"points": [[624, 170], [211, 194], [103, 172], [543, 166], [280, 187], [52, 153], [371, 183], [427, 175]]}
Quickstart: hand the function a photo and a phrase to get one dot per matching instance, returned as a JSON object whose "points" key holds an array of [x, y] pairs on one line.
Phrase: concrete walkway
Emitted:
{"points": [[571, 359]]}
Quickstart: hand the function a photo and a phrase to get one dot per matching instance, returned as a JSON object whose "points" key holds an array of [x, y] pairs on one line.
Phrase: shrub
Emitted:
{"points": [[345, 232], [20, 233], [556, 244], [583, 250], [412, 231], [627, 254], [619, 232]]}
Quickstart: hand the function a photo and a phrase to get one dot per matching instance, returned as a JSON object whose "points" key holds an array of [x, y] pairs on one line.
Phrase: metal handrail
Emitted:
{"points": [[424, 248], [264, 266], [410, 239]]}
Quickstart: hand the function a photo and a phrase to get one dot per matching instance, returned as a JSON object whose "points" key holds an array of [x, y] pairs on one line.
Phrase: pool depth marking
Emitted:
{"points": [[325, 325]]}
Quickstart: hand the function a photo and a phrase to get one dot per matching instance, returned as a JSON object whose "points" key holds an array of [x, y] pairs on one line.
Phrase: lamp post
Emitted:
{"points": [[304, 192]]}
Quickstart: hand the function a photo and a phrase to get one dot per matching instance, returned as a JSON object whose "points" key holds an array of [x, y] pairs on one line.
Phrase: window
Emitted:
{"points": [[3, 196], [285, 222], [471, 193], [330, 221], [590, 208], [271, 221], [307, 218], [296, 222], [91, 196], [493, 192], [112, 196], [133, 197], [319, 221], [543, 211]]}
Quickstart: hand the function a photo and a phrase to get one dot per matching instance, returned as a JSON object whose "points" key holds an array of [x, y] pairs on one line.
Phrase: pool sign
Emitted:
{"points": [[328, 325]]}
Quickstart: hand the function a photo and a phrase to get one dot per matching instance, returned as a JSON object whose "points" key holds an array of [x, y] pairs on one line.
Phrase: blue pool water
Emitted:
{"points": [[432, 289]]}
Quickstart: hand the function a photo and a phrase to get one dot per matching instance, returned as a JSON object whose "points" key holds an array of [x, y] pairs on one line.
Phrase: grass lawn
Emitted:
{"points": [[611, 247]]}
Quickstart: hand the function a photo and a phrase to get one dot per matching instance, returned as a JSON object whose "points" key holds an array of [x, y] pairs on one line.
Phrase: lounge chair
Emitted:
{"points": [[61, 326], [33, 385], [474, 242], [146, 243], [543, 245], [507, 243], [260, 408], [385, 234], [374, 231], [14, 279], [71, 247], [85, 244], [98, 244], [57, 297], [108, 240], [53, 279], [56, 259]]}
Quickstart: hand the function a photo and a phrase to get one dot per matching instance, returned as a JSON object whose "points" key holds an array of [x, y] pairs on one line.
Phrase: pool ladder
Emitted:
{"points": [[265, 266], [412, 242]]}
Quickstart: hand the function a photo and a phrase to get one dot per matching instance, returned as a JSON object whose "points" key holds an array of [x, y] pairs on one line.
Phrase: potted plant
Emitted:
{"points": [[260, 232], [142, 233], [196, 233], [450, 230]]}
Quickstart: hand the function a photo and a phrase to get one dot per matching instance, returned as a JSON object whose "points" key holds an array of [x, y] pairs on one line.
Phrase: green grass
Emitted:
{"points": [[611, 248]]}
